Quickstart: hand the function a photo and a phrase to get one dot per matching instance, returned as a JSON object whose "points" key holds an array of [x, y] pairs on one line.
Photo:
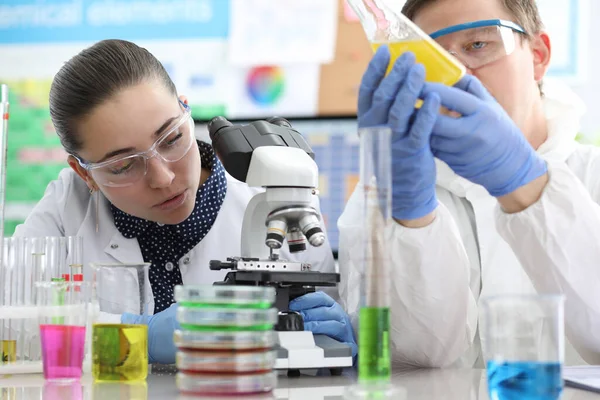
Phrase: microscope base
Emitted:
{"points": [[302, 350]]}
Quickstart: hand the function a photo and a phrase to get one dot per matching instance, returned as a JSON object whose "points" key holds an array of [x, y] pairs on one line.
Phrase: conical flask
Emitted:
{"points": [[384, 24]]}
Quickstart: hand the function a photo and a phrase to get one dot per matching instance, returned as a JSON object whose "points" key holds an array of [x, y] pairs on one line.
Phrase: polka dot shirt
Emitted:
{"points": [[164, 245]]}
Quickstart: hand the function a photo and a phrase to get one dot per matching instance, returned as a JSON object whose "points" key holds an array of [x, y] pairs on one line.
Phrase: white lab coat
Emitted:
{"points": [[473, 249], [68, 209]]}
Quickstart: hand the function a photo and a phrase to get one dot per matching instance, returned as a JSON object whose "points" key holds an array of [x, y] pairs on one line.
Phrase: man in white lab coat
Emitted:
{"points": [[488, 215]]}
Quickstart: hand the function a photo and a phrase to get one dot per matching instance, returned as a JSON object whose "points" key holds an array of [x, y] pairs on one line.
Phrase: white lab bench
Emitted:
{"points": [[430, 384]]}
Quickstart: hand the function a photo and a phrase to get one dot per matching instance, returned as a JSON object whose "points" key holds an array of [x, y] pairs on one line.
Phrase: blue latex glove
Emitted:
{"points": [[482, 145], [161, 327], [390, 101], [323, 316]]}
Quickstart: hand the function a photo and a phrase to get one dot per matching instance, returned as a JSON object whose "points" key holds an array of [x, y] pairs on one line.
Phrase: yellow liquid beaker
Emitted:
{"points": [[440, 66], [119, 352]]}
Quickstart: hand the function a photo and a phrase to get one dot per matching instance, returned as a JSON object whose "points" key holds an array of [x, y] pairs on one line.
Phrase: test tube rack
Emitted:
{"points": [[13, 363]]}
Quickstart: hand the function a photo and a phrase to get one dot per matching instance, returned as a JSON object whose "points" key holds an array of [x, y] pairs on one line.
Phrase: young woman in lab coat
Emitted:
{"points": [[141, 188], [497, 199]]}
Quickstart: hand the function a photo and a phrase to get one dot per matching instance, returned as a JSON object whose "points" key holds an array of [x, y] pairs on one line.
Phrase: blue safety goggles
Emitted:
{"points": [[479, 43], [478, 24]]}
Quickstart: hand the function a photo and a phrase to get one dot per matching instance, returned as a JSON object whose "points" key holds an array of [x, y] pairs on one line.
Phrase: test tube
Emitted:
{"points": [[374, 320], [28, 265], [3, 289], [64, 272], [75, 257], [8, 350], [24, 263], [38, 260], [18, 260], [8, 343], [53, 258], [4, 113]]}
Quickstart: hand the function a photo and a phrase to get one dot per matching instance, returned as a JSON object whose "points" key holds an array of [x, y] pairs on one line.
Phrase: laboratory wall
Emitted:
{"points": [[244, 59]]}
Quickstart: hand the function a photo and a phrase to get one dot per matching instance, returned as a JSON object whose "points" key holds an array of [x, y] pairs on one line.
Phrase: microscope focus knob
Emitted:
{"points": [[217, 265]]}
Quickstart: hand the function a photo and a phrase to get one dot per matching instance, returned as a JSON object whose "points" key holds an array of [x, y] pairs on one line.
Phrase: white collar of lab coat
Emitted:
{"points": [[563, 110], [108, 236]]}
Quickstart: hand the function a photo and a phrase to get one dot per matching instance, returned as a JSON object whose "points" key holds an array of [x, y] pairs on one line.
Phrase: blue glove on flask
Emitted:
{"points": [[390, 101], [483, 144], [161, 327]]}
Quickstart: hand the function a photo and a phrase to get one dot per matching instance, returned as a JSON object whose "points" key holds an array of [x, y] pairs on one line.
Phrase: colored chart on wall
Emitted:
{"points": [[34, 155], [336, 146]]}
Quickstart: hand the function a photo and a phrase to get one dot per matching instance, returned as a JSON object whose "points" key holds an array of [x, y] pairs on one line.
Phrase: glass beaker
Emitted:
{"points": [[120, 351], [384, 24], [62, 308], [523, 345]]}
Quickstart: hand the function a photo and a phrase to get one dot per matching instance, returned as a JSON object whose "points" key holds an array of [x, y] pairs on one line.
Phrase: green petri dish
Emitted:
{"points": [[225, 296], [226, 319]]}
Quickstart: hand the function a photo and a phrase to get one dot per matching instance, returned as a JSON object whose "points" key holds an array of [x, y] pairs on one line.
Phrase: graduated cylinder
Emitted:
{"points": [[374, 320]]}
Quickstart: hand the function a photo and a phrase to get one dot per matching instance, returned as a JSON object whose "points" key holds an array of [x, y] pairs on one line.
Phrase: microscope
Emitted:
{"points": [[270, 154]]}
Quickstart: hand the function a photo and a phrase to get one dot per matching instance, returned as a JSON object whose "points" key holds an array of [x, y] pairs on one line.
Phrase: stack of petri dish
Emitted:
{"points": [[226, 341]]}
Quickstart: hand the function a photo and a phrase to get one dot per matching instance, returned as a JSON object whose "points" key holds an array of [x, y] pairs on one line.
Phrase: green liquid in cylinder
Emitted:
{"points": [[374, 363]]}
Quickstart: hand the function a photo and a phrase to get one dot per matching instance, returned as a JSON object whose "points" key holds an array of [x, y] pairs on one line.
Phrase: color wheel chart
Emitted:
{"points": [[265, 85]]}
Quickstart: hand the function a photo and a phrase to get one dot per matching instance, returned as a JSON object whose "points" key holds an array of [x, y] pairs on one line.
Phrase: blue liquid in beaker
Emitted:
{"points": [[524, 380]]}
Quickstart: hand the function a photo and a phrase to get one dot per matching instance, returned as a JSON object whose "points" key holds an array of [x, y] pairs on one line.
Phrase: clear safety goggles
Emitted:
{"points": [[171, 146], [479, 43]]}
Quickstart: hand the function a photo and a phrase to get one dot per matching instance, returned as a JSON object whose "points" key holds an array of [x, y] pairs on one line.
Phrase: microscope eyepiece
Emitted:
{"points": [[216, 124]]}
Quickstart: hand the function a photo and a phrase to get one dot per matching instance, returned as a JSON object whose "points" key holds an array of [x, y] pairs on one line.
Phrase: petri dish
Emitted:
{"points": [[226, 319], [216, 384], [225, 296], [224, 340], [225, 361]]}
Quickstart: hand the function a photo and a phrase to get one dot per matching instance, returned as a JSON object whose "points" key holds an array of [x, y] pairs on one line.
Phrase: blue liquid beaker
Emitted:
{"points": [[523, 344]]}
